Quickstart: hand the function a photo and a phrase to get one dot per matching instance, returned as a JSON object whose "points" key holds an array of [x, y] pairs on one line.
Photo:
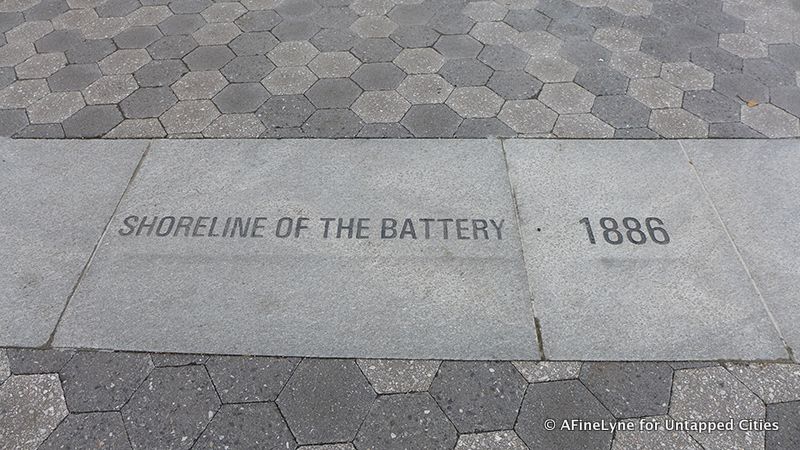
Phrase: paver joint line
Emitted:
{"points": [[49, 342]]}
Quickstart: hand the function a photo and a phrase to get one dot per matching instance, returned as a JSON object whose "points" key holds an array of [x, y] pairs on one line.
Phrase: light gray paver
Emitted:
{"points": [[675, 122], [494, 440], [750, 208], [472, 317], [31, 406], [770, 121], [80, 198], [541, 371], [695, 280], [5, 371], [124, 61], [773, 383], [393, 376]]}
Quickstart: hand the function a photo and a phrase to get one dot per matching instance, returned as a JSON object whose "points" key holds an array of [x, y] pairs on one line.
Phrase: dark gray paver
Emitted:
{"points": [[160, 73], [561, 401], [621, 111], [92, 430], [177, 359], [479, 396], [629, 389], [12, 120], [92, 121], [285, 111], [334, 123], [257, 425], [241, 379], [171, 408], [73, 77], [431, 121], [147, 102], [788, 417], [241, 98], [32, 361], [329, 93], [326, 400], [404, 421], [102, 381]]}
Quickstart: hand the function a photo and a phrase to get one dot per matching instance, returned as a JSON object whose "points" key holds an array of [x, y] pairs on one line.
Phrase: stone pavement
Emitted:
{"points": [[86, 399], [400, 68]]}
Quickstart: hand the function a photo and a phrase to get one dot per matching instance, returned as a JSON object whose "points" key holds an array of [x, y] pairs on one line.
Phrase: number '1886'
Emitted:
{"points": [[631, 230]]}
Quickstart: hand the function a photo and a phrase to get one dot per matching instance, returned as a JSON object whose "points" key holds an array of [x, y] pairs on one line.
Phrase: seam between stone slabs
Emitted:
{"points": [[786, 347], [48, 344], [536, 323]]}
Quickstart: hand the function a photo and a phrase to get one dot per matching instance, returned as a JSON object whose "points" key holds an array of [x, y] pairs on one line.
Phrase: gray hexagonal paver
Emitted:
{"points": [[285, 111], [788, 417], [92, 430], [32, 361], [73, 77], [199, 85], [40, 65], [334, 64], [514, 84], [711, 106], [240, 98], [259, 425], [431, 121], [406, 421], [423, 89], [482, 128], [332, 123], [172, 47], [419, 60], [465, 72], [208, 58], [243, 69], [373, 27], [235, 126], [655, 93], [110, 89], [55, 107], [241, 379], [479, 396], [773, 383], [103, 381], [528, 116], [380, 106], [542, 371], [326, 401], [770, 121], [92, 121], [190, 116], [673, 123], [333, 93], [124, 61], [378, 76], [506, 440], [566, 98], [394, 376], [289, 80], [658, 437], [474, 102], [551, 69], [160, 73], [559, 401], [687, 76], [147, 102], [458, 46], [583, 126], [629, 390], [31, 406], [621, 111], [171, 408], [712, 393]]}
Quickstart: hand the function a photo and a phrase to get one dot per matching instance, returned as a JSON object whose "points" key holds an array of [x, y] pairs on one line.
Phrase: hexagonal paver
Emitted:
{"points": [[172, 47], [285, 111], [103, 381], [12, 121], [216, 34], [524, 20], [181, 24], [617, 39], [334, 64], [528, 116], [770, 121], [479, 396], [414, 36], [582, 126], [325, 401], [630, 389], [137, 37], [73, 77], [190, 116], [484, 11], [431, 121], [542, 371], [333, 93], [494, 33], [171, 408], [677, 123], [199, 85], [393, 376], [235, 126], [507, 440], [514, 85], [223, 12], [538, 44], [687, 76], [475, 102], [31, 406], [373, 27], [332, 123], [503, 57], [422, 89], [109, 90], [147, 102], [160, 73], [289, 80], [258, 424], [240, 98], [744, 45], [419, 60], [458, 46], [655, 93], [712, 393], [250, 379], [25, 361], [253, 43], [769, 72], [371, 7], [244, 69], [566, 98], [466, 72], [138, 128], [551, 69], [41, 65], [375, 50], [208, 58], [788, 417], [406, 421], [711, 106], [482, 128], [55, 107], [773, 383], [93, 121], [742, 87], [292, 53], [635, 64], [149, 15], [380, 106], [124, 61], [560, 401], [378, 76], [103, 430], [621, 111]]}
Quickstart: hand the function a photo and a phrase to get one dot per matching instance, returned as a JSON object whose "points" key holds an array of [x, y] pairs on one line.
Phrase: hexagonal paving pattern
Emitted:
{"points": [[598, 68]]}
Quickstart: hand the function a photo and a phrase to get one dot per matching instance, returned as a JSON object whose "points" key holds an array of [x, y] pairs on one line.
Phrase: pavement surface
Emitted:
{"points": [[85, 399], [400, 68]]}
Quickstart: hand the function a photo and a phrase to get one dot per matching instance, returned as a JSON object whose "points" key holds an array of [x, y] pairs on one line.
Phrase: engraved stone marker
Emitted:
{"points": [[55, 199], [403, 249], [627, 259], [755, 186]]}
